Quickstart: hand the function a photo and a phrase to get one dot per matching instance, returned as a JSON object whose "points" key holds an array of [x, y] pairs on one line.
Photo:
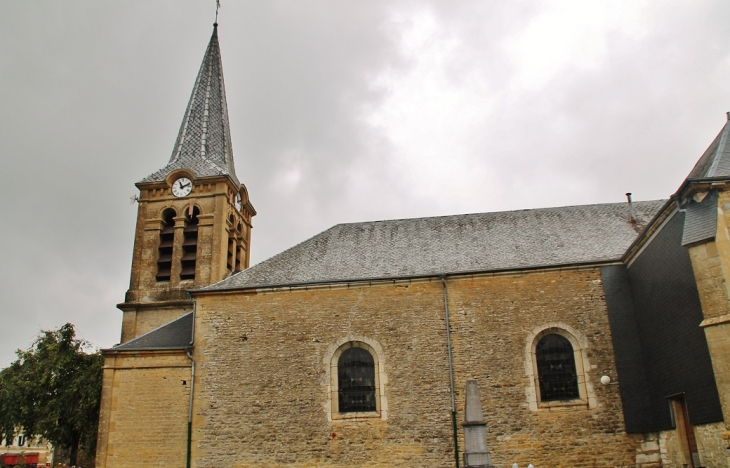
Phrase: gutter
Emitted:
{"points": [[451, 371], [106, 351]]}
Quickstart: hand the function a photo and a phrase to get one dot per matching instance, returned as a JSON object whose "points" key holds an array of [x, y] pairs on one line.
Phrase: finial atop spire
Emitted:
{"points": [[217, 7]]}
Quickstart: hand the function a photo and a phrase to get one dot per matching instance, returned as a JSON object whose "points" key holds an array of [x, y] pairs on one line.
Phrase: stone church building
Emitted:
{"points": [[598, 335]]}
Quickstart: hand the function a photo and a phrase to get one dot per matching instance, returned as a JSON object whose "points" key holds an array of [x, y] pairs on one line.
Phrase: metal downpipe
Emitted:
{"points": [[189, 353], [451, 371]]}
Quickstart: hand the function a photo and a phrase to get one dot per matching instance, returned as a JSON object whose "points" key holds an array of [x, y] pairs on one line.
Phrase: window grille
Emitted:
{"points": [[190, 246], [356, 381], [556, 369], [164, 249]]}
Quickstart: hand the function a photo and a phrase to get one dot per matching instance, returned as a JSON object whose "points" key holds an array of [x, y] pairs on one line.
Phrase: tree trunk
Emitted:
{"points": [[74, 451]]}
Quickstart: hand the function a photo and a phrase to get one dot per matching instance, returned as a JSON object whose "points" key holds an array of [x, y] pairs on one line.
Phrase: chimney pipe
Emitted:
{"points": [[632, 215]]}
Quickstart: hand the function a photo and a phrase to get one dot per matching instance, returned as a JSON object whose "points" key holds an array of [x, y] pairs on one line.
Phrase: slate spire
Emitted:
{"points": [[203, 144]]}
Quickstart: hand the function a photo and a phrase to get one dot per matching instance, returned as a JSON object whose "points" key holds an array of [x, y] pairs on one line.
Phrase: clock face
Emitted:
{"points": [[182, 187]]}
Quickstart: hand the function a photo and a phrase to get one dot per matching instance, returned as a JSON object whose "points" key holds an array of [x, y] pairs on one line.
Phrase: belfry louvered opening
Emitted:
{"points": [[239, 248], [190, 245], [232, 246], [164, 249]]}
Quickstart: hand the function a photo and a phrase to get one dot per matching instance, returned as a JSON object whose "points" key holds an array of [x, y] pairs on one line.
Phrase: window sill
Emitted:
{"points": [[364, 415], [563, 405]]}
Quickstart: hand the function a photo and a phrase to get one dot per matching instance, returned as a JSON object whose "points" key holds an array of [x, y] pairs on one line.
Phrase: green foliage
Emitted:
{"points": [[53, 390]]}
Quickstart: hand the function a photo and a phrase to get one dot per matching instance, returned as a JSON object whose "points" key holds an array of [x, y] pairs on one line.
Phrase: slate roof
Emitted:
{"points": [[174, 335], [204, 142], [715, 162], [700, 224], [453, 244]]}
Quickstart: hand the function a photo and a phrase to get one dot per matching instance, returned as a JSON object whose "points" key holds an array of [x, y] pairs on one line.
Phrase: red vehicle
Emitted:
{"points": [[27, 460]]}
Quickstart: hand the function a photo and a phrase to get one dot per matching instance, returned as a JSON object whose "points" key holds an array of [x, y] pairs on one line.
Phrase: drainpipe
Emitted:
{"points": [[451, 371], [192, 391]]}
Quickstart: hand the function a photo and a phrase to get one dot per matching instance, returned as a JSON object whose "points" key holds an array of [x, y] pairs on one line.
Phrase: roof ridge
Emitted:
{"points": [[493, 212], [720, 148]]}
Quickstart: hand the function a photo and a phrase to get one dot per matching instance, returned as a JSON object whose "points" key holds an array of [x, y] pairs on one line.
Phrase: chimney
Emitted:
{"points": [[632, 215]]}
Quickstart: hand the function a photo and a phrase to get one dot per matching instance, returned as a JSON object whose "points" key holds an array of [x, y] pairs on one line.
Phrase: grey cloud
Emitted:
{"points": [[93, 94]]}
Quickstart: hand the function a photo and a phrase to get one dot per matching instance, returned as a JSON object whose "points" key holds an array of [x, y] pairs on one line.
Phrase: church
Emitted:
{"points": [[579, 336]]}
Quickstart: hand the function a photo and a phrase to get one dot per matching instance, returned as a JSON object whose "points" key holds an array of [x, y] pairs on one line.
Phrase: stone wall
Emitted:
{"points": [[143, 421], [261, 392], [711, 264], [709, 443]]}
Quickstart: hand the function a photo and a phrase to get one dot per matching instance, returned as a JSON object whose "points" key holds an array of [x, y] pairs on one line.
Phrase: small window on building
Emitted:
{"points": [[356, 381], [21, 441], [164, 249], [557, 376]]}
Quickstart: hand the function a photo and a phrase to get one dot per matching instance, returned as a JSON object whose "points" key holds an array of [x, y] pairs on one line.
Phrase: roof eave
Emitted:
{"points": [[106, 351], [388, 279]]}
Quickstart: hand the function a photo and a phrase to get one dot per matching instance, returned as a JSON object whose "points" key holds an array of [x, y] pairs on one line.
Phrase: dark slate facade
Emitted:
{"points": [[661, 351]]}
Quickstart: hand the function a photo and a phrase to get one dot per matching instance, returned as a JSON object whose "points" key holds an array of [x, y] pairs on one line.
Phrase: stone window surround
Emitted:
{"points": [[587, 398], [330, 361]]}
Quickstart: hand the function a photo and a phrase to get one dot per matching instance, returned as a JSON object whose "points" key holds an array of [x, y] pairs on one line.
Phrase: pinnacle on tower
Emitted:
{"points": [[203, 144]]}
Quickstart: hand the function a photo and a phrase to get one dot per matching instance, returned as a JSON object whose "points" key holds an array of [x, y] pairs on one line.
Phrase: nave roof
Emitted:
{"points": [[508, 240]]}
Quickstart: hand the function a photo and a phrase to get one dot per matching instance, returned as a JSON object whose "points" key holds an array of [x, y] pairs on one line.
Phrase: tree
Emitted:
{"points": [[53, 390]]}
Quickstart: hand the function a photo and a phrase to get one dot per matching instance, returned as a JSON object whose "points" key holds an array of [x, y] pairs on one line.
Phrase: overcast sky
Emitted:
{"points": [[340, 111]]}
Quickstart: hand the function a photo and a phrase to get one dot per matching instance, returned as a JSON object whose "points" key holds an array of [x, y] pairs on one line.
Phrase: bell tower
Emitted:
{"points": [[194, 216]]}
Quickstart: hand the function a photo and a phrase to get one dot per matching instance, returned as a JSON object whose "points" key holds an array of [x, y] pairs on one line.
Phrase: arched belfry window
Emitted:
{"points": [[190, 245], [557, 375], [356, 381], [164, 249]]}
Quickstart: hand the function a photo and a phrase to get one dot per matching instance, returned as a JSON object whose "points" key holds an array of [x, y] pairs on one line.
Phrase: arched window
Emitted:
{"points": [[556, 370], [356, 381], [190, 245], [164, 249]]}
